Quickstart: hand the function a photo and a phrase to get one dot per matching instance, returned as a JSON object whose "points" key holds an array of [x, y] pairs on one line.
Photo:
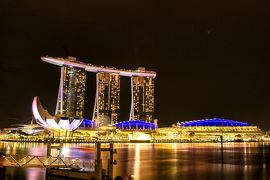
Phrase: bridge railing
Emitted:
{"points": [[46, 162]]}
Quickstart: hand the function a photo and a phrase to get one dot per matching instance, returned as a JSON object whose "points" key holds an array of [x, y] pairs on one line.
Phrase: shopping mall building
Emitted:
{"points": [[211, 130]]}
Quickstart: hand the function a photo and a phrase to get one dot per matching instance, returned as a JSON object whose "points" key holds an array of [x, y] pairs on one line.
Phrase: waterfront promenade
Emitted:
{"points": [[215, 139]]}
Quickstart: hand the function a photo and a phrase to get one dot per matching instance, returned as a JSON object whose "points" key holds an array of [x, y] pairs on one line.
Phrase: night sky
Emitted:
{"points": [[212, 58]]}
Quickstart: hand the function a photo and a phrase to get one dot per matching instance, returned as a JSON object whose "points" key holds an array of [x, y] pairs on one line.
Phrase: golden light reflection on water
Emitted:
{"points": [[137, 161]]}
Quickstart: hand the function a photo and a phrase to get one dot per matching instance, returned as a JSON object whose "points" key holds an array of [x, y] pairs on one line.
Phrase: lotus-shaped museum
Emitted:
{"points": [[50, 122]]}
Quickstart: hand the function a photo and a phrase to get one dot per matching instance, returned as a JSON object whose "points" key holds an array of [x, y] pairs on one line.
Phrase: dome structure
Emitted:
{"points": [[50, 122], [213, 122], [135, 125], [86, 123]]}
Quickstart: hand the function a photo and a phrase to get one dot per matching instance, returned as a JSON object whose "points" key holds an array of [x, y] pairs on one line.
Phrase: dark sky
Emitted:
{"points": [[212, 58]]}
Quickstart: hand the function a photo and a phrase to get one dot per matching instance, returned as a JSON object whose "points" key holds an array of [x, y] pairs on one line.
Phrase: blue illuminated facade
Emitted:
{"points": [[88, 124], [135, 125], [213, 122]]}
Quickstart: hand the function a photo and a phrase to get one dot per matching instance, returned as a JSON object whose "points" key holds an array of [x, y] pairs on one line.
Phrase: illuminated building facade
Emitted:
{"points": [[142, 101], [229, 129], [135, 125], [107, 98], [70, 101], [210, 130]]}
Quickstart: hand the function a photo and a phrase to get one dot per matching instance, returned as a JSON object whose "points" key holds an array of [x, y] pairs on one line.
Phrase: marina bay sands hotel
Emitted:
{"points": [[70, 101]]}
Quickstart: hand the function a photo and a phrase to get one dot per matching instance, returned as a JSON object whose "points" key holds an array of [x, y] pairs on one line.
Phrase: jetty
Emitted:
{"points": [[66, 166]]}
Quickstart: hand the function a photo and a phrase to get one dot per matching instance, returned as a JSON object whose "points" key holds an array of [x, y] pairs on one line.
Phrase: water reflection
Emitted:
{"points": [[161, 161]]}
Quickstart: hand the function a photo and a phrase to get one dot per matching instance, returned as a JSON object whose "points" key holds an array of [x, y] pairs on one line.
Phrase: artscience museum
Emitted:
{"points": [[56, 123]]}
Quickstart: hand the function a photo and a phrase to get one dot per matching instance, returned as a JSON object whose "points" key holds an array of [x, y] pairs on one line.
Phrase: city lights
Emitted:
{"points": [[69, 124]]}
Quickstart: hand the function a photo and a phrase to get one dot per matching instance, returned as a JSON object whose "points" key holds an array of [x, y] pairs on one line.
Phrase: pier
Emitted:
{"points": [[65, 166]]}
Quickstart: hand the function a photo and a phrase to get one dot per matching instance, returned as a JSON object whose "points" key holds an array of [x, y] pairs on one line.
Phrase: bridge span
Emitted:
{"points": [[45, 162]]}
